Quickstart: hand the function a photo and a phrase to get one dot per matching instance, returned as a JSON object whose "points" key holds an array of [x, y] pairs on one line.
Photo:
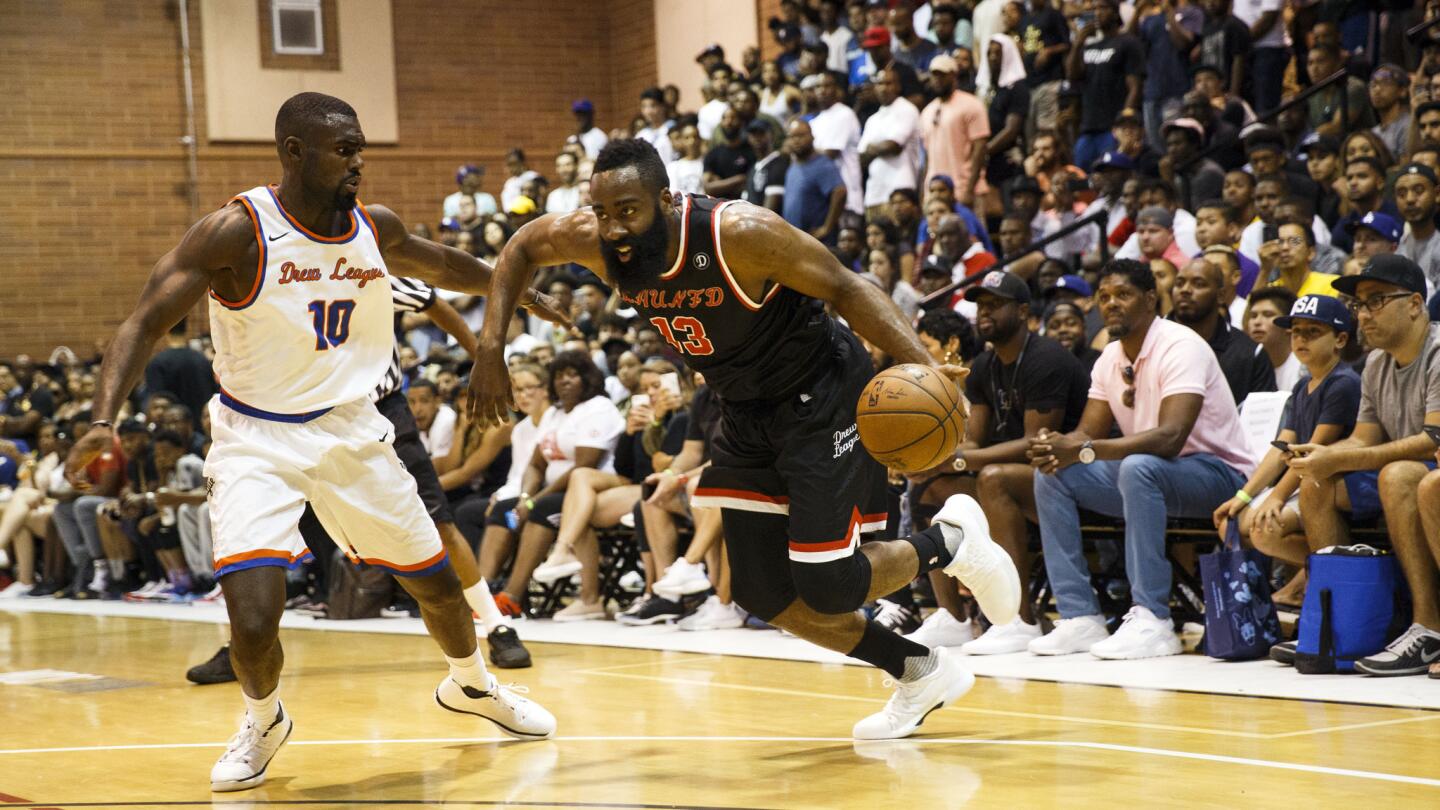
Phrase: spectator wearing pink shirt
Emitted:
{"points": [[1155, 234], [1180, 453], [955, 127]]}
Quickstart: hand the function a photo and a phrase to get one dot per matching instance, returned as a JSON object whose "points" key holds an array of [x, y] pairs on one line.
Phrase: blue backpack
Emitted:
{"points": [[1355, 604]]}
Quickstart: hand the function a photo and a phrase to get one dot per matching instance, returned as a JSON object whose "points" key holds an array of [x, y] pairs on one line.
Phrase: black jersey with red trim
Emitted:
{"points": [[747, 349]]}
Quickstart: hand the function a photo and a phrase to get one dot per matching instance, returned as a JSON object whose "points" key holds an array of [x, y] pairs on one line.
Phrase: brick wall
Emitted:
{"points": [[92, 175]]}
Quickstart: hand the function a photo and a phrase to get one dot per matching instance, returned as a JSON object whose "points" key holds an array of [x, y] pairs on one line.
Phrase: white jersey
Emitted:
{"points": [[316, 330]]}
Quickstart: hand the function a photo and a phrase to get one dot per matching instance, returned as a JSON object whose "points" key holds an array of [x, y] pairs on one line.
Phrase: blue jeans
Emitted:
{"points": [[1143, 490], [1090, 146]]}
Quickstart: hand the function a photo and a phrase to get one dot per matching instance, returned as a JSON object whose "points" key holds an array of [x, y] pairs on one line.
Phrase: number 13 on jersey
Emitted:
{"points": [[685, 333]]}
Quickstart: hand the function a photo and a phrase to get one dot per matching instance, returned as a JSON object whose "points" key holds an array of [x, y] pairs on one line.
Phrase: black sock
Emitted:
{"points": [[930, 548], [887, 650]]}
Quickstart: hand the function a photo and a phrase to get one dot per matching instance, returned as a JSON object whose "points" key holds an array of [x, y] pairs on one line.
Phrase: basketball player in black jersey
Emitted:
{"points": [[741, 294]]}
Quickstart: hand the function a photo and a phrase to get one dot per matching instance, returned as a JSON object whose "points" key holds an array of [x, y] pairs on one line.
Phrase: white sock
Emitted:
{"points": [[478, 595], [262, 711], [469, 671], [117, 570]]}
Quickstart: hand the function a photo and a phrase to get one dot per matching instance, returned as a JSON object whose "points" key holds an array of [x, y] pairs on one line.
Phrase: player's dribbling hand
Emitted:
{"points": [[491, 398], [91, 445]]}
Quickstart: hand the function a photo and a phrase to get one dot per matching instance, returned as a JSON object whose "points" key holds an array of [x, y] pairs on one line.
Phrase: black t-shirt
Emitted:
{"points": [[185, 373], [725, 161], [634, 463], [1045, 376], [1012, 100], [1107, 63], [38, 399], [767, 174], [1221, 40], [1038, 31]]}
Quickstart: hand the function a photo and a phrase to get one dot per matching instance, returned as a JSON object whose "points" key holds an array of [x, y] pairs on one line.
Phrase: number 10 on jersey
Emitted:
{"points": [[685, 333], [332, 322]]}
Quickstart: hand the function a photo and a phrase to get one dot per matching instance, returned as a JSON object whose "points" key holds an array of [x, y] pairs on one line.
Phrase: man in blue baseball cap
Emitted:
{"points": [[586, 133], [1382, 464], [469, 178], [1322, 411], [1375, 234]]}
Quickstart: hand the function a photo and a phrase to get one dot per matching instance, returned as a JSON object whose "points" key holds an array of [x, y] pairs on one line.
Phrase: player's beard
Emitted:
{"points": [[344, 198], [647, 255]]}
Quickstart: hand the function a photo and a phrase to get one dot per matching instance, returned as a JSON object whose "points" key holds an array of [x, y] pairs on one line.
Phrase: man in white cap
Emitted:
{"points": [[956, 128]]}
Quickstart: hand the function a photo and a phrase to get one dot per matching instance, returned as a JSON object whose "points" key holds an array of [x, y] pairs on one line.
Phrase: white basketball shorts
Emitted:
{"points": [[261, 471]]}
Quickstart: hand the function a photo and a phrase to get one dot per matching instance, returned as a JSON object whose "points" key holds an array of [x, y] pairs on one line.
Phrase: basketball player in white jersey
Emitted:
{"points": [[300, 310]]}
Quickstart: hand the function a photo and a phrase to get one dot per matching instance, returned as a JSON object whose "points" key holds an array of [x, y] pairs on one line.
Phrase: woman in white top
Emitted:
{"points": [[491, 523], [655, 430], [580, 430], [778, 99]]}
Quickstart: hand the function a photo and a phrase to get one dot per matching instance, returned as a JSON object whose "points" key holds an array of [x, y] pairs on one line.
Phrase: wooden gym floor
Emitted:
{"points": [[641, 729]]}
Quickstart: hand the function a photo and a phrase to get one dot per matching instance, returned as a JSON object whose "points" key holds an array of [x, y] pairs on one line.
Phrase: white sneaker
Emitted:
{"points": [[243, 764], [683, 578], [943, 630], [561, 564], [714, 616], [517, 716], [1143, 635], [1004, 638], [980, 562], [579, 611], [1075, 635], [914, 701], [15, 590]]}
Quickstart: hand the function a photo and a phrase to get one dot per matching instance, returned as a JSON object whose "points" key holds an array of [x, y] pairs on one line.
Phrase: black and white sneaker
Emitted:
{"points": [[243, 764], [1410, 654], [506, 649], [504, 705], [651, 610], [216, 670], [1284, 653]]}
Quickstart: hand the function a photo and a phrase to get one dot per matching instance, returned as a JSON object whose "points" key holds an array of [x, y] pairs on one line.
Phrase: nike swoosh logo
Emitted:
{"points": [[281, 236], [1430, 657]]}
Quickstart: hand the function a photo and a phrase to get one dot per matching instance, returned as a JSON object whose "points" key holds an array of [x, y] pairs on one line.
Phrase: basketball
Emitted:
{"points": [[910, 417]]}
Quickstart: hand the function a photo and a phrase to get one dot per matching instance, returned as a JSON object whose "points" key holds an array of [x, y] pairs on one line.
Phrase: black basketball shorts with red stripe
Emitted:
{"points": [[797, 490]]}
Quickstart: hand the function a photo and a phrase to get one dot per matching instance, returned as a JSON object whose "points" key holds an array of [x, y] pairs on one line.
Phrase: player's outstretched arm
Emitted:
{"points": [[446, 267], [760, 246], [550, 240], [212, 247]]}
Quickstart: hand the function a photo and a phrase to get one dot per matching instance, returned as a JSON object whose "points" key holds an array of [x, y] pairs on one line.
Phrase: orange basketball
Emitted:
{"points": [[910, 417]]}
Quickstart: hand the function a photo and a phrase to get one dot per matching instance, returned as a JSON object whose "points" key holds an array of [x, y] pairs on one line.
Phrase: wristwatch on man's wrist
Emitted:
{"points": [[1087, 453]]}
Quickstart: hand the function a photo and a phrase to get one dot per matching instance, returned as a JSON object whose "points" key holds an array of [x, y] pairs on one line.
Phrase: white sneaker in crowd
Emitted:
{"points": [[980, 562], [579, 611], [1000, 639], [1142, 635], [504, 706], [914, 701], [713, 615], [15, 590], [683, 578], [561, 564], [1075, 635], [943, 630], [243, 764]]}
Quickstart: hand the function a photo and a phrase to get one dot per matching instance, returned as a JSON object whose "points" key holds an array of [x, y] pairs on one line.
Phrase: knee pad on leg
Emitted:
{"points": [[834, 587]]}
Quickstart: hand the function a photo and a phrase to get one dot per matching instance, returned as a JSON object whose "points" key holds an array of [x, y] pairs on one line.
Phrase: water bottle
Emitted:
{"points": [[512, 520]]}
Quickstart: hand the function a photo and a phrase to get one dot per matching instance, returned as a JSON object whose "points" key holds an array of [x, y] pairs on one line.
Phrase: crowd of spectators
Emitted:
{"points": [[1233, 238]]}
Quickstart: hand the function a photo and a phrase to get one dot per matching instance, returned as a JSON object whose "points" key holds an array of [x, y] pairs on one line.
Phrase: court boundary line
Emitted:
{"points": [[1084, 745]]}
